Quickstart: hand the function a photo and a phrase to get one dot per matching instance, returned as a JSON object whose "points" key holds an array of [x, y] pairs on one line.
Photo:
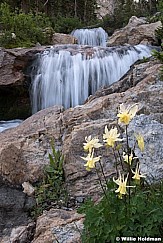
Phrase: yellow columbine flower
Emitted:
{"points": [[137, 174], [126, 113], [90, 161], [110, 137], [128, 159], [122, 183], [91, 143], [140, 141]]}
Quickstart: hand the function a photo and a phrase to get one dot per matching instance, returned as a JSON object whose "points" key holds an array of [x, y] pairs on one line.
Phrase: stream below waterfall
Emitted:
{"points": [[4, 125]]}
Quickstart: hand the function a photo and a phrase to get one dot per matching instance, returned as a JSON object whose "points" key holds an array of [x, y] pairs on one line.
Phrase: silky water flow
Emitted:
{"points": [[67, 75]]}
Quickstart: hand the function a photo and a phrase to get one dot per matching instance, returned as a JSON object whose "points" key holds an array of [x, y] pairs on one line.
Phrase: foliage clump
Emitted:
{"points": [[159, 36], [65, 24], [51, 191], [24, 24], [20, 29], [131, 206], [113, 217]]}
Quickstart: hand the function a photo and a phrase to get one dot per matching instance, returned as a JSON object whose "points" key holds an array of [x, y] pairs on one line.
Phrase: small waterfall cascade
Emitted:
{"points": [[67, 75], [4, 125], [92, 37]]}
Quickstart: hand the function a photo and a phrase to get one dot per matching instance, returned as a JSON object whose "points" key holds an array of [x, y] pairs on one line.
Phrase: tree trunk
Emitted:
{"points": [[85, 10], [25, 6], [75, 8]]}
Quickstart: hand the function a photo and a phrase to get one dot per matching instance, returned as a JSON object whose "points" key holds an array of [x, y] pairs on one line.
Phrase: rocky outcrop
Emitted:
{"points": [[105, 7], [14, 82], [13, 212], [137, 31], [96, 113], [59, 38], [23, 157], [29, 147], [21, 234], [58, 225], [35, 135], [12, 64]]}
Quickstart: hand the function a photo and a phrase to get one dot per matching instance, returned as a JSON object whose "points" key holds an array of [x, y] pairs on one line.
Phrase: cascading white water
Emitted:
{"points": [[67, 75], [93, 37], [4, 125]]}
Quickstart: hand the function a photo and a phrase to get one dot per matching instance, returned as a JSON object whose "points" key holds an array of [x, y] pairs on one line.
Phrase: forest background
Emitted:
{"points": [[35, 21]]}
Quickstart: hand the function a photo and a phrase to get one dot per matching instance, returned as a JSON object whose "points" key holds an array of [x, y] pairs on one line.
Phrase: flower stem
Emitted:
{"points": [[129, 166], [102, 170], [116, 164], [121, 160], [101, 183]]}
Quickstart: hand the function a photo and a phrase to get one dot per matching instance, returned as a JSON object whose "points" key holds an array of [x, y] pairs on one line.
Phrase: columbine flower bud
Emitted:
{"points": [[140, 141]]}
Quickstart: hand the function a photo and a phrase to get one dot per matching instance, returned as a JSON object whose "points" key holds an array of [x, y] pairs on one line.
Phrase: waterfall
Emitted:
{"points": [[4, 125], [93, 37], [67, 75]]}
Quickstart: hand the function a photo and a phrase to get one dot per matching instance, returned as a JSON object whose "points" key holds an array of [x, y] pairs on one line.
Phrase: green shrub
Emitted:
{"points": [[159, 56], [51, 191], [65, 24], [113, 217], [160, 6], [28, 28], [159, 36]]}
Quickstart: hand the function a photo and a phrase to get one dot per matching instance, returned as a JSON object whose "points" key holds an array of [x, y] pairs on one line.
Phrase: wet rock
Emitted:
{"points": [[13, 62]]}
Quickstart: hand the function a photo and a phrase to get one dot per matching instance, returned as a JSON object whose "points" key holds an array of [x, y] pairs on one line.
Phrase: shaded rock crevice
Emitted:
{"points": [[15, 82], [14, 211]]}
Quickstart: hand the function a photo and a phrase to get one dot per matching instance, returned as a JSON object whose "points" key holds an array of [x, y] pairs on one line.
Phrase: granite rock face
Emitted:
{"points": [[13, 212], [65, 226], [24, 150], [29, 147], [59, 38], [13, 62], [28, 150], [152, 132], [146, 90], [105, 7], [138, 31]]}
